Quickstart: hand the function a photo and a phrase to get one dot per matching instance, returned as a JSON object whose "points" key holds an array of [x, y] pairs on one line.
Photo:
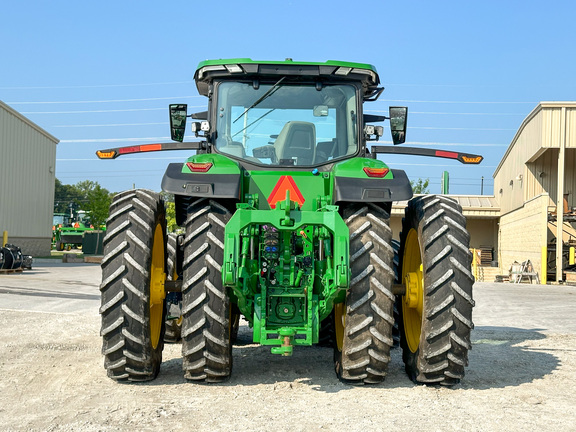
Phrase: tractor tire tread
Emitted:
{"points": [[127, 348], [206, 333]]}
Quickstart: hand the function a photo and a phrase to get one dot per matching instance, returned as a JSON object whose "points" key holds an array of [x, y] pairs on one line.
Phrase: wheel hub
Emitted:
{"points": [[157, 291], [413, 300]]}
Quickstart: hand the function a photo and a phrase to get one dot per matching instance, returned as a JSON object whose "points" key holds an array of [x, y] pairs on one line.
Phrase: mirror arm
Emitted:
{"points": [[465, 158], [113, 153], [374, 95]]}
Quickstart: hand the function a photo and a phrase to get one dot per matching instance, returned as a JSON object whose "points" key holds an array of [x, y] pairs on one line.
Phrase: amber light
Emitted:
{"points": [[376, 172], [199, 167], [106, 154], [472, 160]]}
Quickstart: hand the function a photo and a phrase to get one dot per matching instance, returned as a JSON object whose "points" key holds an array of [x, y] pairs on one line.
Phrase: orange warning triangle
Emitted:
{"points": [[285, 183]]}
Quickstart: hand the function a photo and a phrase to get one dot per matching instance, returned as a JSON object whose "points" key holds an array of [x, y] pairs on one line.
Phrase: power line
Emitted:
{"points": [[456, 102], [95, 86], [102, 101], [446, 144], [103, 111], [455, 113], [114, 140], [453, 128], [128, 159], [110, 125]]}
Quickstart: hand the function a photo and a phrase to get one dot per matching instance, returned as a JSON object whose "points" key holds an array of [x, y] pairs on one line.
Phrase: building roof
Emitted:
{"points": [[29, 122], [528, 119]]}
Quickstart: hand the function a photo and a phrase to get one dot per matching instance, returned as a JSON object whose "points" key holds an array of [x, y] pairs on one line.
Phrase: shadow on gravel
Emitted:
{"points": [[37, 292], [254, 365], [500, 358]]}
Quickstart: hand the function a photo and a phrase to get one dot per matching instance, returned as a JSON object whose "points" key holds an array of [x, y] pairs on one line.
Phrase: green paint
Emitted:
{"points": [[275, 272], [354, 168], [221, 164], [262, 183], [223, 62]]}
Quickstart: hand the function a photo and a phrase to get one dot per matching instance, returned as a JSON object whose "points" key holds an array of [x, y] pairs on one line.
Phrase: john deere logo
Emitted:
{"points": [[285, 183]]}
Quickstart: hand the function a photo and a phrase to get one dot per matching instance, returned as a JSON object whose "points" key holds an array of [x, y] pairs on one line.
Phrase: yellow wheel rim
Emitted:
{"points": [[413, 300], [339, 324], [157, 292]]}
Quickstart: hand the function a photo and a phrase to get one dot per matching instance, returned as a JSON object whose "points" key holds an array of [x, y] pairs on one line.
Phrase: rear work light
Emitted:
{"points": [[199, 167], [376, 172]]}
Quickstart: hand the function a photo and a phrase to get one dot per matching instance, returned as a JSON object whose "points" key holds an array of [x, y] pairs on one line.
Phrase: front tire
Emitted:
{"points": [[363, 324], [206, 309], [436, 311], [133, 275]]}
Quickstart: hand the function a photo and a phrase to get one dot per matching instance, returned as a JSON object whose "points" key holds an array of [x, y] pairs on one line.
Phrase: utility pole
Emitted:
{"points": [[445, 183], [482, 186]]}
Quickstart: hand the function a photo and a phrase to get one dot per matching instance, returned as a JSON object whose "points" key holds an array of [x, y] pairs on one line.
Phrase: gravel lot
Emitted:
{"points": [[522, 373]]}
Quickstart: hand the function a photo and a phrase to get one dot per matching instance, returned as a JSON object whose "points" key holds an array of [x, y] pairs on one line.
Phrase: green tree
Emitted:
{"points": [[98, 202], [420, 186], [170, 211], [66, 196], [86, 195]]}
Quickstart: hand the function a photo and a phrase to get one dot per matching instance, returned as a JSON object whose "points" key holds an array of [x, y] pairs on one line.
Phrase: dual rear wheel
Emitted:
{"points": [[435, 314], [433, 317]]}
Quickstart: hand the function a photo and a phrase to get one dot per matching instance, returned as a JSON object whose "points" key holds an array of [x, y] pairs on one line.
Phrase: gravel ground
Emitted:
{"points": [[522, 373]]}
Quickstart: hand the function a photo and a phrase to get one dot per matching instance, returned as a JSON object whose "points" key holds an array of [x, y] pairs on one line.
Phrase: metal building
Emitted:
{"points": [[535, 184], [532, 214], [27, 176]]}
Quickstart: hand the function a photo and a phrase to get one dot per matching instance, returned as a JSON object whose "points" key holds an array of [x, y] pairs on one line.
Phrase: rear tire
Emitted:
{"points": [[133, 308], [436, 312], [206, 309], [363, 325]]}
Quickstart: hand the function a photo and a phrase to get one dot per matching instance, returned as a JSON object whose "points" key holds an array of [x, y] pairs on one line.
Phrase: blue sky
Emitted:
{"points": [[101, 74]]}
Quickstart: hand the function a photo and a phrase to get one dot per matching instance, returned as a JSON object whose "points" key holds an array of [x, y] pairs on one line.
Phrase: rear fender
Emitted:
{"points": [[220, 180], [352, 182]]}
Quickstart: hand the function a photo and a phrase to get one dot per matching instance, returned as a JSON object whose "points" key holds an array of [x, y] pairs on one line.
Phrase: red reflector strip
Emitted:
{"points": [[131, 149], [376, 172], [446, 154], [199, 167]]}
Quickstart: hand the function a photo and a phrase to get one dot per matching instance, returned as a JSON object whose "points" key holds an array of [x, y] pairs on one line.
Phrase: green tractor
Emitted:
{"points": [[286, 212], [68, 232]]}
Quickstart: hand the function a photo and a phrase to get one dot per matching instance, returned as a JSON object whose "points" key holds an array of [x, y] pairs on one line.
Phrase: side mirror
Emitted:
{"points": [[398, 116], [178, 113]]}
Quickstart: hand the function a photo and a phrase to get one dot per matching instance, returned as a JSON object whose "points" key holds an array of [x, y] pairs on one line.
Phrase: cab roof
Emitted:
{"points": [[245, 68]]}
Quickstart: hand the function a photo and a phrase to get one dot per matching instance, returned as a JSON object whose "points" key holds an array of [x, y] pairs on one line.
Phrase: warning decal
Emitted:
{"points": [[285, 183]]}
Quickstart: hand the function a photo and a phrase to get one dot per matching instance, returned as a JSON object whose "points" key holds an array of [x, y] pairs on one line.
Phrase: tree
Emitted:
{"points": [[86, 195], [170, 211], [420, 186], [65, 196], [97, 204]]}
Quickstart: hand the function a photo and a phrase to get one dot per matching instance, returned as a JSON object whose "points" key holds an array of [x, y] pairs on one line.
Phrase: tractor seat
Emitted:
{"points": [[297, 140]]}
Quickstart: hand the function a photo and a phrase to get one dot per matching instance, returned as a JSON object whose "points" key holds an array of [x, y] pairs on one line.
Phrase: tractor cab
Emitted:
{"points": [[286, 114]]}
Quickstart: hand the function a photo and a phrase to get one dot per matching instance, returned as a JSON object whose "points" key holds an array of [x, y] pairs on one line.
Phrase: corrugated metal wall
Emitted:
{"points": [[534, 155], [27, 167]]}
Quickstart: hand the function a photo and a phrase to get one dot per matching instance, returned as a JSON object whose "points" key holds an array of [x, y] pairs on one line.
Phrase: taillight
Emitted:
{"points": [[376, 172], [199, 167], [140, 148]]}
